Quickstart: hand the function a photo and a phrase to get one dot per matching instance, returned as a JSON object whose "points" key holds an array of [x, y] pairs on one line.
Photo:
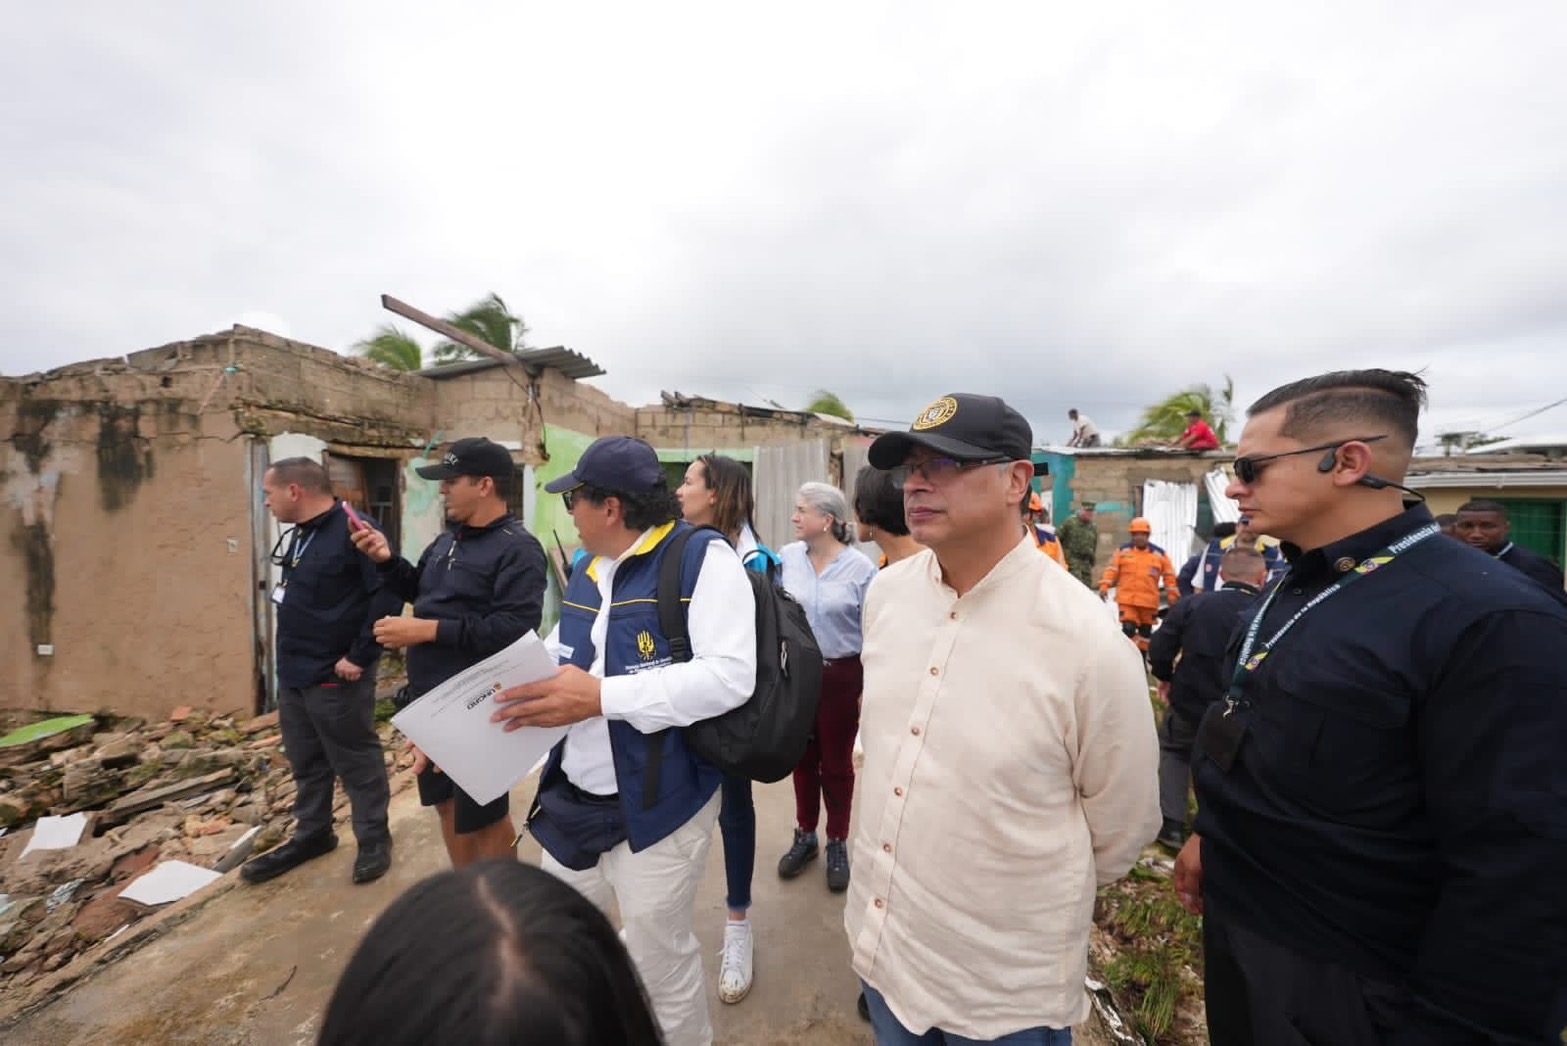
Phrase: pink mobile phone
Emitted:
{"points": [[353, 517]]}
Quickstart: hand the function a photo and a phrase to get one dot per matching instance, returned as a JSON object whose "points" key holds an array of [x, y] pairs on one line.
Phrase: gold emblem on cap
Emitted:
{"points": [[937, 414]]}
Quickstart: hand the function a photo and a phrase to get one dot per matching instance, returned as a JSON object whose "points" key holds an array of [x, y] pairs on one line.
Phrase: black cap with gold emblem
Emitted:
{"points": [[962, 426]]}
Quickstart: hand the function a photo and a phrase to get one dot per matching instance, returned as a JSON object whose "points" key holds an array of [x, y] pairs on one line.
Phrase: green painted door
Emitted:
{"points": [[1537, 526]]}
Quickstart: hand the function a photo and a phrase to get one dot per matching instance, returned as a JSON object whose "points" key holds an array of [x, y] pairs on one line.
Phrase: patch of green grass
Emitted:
{"points": [[1157, 941], [384, 710]]}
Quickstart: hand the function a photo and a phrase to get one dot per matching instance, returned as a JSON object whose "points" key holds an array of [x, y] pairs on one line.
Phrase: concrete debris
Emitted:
{"points": [[56, 833], [169, 882], [197, 795], [62, 894]]}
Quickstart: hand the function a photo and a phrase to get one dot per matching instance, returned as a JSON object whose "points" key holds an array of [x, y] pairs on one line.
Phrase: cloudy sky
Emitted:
{"points": [[1072, 205]]}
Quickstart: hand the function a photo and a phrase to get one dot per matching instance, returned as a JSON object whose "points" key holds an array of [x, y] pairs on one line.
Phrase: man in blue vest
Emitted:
{"points": [[625, 811]]}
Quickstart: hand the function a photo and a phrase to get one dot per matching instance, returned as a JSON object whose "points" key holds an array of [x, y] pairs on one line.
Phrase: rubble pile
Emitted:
{"points": [[207, 791]]}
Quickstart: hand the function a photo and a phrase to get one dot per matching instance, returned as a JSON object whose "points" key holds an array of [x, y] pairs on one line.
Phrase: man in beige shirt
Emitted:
{"points": [[1010, 753]]}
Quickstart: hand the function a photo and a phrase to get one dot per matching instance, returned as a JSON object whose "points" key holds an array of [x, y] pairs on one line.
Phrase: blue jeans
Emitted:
{"points": [[737, 824], [890, 1033]]}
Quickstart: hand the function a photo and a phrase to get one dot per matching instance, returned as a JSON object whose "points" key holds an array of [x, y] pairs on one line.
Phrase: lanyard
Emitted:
{"points": [[1247, 664], [297, 552]]}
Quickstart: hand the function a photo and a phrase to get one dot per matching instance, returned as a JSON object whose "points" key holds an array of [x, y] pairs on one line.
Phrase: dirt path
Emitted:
{"points": [[257, 964]]}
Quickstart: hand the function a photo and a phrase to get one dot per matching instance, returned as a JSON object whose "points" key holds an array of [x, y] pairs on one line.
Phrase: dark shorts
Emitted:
{"points": [[467, 816]]}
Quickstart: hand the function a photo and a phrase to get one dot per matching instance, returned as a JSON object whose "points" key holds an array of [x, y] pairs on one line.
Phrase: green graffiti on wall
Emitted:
{"points": [[424, 514], [549, 511]]}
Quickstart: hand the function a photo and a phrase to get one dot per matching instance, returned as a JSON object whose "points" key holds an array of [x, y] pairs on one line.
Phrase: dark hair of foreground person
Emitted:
{"points": [[499, 952]]}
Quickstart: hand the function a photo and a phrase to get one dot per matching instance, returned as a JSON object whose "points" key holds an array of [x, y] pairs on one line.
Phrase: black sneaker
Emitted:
{"points": [[374, 860], [837, 865], [1172, 835], [802, 853], [287, 857]]}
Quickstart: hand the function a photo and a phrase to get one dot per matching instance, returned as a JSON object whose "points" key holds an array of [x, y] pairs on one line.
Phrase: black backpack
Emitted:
{"points": [[765, 738]]}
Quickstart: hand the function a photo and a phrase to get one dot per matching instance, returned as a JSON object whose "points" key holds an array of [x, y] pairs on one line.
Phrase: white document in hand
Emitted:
{"points": [[451, 724]]}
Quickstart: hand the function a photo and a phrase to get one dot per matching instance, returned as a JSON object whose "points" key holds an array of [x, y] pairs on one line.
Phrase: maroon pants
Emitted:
{"points": [[827, 768]]}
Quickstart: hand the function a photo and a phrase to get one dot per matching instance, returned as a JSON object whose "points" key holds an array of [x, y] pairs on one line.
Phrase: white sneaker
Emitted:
{"points": [[734, 972]]}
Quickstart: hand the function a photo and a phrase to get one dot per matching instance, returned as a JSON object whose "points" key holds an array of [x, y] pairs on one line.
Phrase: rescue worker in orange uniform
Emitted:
{"points": [[1043, 533], [1135, 572]]}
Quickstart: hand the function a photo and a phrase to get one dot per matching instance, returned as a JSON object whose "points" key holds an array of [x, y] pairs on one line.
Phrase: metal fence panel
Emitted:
{"points": [[777, 474]]}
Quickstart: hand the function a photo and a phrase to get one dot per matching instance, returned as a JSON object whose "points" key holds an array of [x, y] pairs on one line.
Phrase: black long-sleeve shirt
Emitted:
{"points": [[332, 598], [1537, 567], [1197, 631], [485, 588], [1398, 802]]}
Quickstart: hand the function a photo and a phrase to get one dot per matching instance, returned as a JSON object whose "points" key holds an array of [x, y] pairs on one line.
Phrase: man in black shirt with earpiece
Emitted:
{"points": [[1382, 793]]}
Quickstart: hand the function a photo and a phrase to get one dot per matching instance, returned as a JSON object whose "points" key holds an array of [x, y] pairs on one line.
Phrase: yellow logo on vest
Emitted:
{"points": [[645, 645], [937, 414]]}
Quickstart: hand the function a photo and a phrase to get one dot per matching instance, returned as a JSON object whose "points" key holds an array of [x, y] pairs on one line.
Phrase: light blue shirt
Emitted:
{"points": [[835, 601]]}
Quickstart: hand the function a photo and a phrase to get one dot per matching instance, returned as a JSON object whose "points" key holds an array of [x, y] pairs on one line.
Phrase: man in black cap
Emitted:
{"points": [[477, 589], [987, 774]]}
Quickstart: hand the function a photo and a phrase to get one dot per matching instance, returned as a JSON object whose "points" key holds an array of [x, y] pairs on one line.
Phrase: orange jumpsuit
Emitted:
{"points": [[1135, 574], [1049, 544]]}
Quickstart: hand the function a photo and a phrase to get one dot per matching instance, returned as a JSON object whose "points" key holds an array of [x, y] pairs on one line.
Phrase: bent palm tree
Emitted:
{"points": [[489, 320], [829, 403], [391, 347], [1166, 420]]}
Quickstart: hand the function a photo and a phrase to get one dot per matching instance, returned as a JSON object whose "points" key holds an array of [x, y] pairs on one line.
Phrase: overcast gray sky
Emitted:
{"points": [[1071, 205]]}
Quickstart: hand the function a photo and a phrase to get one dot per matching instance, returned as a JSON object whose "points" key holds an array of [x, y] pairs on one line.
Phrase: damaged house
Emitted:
{"points": [[139, 554]]}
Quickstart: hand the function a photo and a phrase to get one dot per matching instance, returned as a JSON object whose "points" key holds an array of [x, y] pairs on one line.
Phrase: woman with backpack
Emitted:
{"points": [[830, 580], [717, 493]]}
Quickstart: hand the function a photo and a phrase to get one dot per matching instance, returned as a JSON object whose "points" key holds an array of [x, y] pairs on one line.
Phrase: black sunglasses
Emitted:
{"points": [[1249, 468], [570, 497]]}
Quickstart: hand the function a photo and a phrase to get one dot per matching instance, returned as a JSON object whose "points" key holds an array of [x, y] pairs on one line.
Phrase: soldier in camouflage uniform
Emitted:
{"points": [[1079, 539]]}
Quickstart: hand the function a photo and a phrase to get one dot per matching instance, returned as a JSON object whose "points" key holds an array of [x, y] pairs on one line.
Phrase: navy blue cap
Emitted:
{"points": [[619, 464]]}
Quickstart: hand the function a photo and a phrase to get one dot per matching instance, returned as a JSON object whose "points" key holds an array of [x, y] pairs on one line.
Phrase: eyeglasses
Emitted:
{"points": [[938, 470], [286, 537], [570, 497], [1247, 469]]}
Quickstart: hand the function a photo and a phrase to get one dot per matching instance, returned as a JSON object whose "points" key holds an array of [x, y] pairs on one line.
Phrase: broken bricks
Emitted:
{"points": [[208, 790]]}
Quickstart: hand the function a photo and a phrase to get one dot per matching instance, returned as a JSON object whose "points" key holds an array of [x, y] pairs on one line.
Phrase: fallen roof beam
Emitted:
{"points": [[458, 335]]}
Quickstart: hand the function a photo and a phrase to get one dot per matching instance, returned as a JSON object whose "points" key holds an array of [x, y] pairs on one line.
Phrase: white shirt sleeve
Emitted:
{"points": [[722, 671]]}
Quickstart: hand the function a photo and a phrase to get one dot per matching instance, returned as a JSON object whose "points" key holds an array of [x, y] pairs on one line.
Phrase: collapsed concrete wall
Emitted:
{"points": [[128, 541], [136, 541]]}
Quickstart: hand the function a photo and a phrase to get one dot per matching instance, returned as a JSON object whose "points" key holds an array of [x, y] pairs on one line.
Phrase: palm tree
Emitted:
{"points": [[1166, 420], [489, 320], [392, 347], [829, 403]]}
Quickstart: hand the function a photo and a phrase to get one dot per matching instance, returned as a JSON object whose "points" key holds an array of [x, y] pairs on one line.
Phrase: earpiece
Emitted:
{"points": [[1329, 460]]}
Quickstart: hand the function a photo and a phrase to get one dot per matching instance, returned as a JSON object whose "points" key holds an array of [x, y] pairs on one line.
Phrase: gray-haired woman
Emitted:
{"points": [[830, 580]]}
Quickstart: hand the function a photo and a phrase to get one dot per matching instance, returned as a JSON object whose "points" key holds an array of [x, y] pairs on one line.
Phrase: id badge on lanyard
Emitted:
{"points": [[1221, 733], [290, 564]]}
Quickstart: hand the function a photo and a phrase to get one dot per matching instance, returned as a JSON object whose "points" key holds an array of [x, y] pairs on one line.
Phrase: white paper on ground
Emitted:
{"points": [[56, 833], [451, 724], [168, 882]]}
